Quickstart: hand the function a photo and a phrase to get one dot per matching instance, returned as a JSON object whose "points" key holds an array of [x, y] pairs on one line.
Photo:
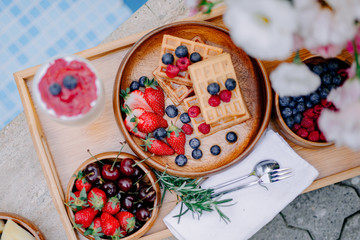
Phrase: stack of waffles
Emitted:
{"points": [[215, 67]]}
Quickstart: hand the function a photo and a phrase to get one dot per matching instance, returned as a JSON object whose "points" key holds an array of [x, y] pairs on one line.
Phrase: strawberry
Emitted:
{"points": [[112, 206], [149, 122], [157, 147], [78, 200], [154, 96], [85, 217], [126, 220], [130, 120], [176, 139], [109, 224], [97, 198], [95, 229], [135, 99], [81, 182]]}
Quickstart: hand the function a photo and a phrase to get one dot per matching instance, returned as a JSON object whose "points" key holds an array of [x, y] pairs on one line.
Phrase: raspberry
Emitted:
{"points": [[307, 122], [172, 71], [325, 103], [214, 100], [296, 127], [318, 108], [187, 128], [225, 95], [302, 132], [204, 128], [310, 129], [314, 136], [183, 63], [309, 113], [322, 137], [194, 111]]}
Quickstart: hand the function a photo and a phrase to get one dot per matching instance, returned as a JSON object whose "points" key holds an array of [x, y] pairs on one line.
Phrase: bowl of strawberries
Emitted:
{"points": [[297, 116], [113, 195]]}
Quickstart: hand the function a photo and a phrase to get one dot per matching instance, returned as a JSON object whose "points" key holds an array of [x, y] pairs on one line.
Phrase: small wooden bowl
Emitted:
{"points": [[279, 121], [24, 223], [150, 177], [143, 58]]}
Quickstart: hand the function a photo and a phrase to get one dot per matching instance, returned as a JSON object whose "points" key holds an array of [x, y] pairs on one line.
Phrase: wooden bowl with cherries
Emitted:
{"points": [[13, 226], [296, 117], [113, 194]]}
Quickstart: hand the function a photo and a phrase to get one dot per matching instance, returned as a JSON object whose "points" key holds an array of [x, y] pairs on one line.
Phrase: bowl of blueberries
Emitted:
{"points": [[296, 117]]}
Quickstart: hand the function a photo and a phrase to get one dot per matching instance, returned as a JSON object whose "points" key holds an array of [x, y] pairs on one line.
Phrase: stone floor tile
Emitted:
{"points": [[351, 228], [354, 182], [323, 211], [277, 229]]}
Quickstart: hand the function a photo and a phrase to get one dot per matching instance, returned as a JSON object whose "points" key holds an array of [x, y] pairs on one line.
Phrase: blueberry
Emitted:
{"points": [[294, 111], [55, 89], [134, 85], [142, 81], [215, 150], [167, 58], [70, 82], [284, 101], [332, 65], [317, 69], [171, 111], [180, 160], [308, 104], [314, 98], [301, 107], [286, 112], [184, 118], [292, 104], [299, 99], [231, 137], [181, 51], [326, 78], [289, 122], [230, 84], [213, 88], [195, 57], [196, 154], [160, 133], [298, 118], [324, 92], [337, 80], [325, 67], [194, 143]]}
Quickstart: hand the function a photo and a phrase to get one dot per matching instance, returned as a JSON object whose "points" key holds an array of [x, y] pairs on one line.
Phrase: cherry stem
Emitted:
{"points": [[356, 55], [95, 157], [138, 162], [123, 145], [141, 178]]}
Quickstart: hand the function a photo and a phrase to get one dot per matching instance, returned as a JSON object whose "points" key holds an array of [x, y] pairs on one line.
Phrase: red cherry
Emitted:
{"points": [[172, 71], [126, 167], [110, 173]]}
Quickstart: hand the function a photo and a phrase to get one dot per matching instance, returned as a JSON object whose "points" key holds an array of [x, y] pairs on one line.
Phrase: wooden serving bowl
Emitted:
{"points": [[24, 223], [150, 178], [143, 58], [280, 122]]}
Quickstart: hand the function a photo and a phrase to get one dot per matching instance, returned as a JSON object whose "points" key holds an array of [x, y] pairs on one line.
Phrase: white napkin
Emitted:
{"points": [[255, 206]]}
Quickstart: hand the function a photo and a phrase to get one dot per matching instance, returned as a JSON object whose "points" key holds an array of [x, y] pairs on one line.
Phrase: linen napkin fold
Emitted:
{"points": [[254, 206]]}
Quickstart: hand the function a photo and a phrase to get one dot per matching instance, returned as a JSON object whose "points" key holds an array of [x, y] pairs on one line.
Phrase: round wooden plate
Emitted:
{"points": [[150, 178], [24, 223], [142, 59]]}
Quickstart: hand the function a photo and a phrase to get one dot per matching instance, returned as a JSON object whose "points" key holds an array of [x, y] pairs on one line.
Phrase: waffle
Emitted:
{"points": [[176, 92], [215, 127], [170, 43], [217, 69]]}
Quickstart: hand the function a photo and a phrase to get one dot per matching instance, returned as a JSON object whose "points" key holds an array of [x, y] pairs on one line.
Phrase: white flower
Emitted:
{"points": [[263, 28], [342, 127], [326, 25], [345, 95], [293, 79]]}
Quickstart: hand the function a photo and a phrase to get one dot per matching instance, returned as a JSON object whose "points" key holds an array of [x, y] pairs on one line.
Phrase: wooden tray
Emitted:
{"points": [[60, 153]]}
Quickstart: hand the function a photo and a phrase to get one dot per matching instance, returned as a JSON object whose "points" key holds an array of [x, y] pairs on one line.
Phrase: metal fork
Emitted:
{"points": [[271, 177]]}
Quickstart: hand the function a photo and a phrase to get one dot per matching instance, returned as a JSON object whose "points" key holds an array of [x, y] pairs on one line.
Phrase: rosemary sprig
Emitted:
{"points": [[190, 194]]}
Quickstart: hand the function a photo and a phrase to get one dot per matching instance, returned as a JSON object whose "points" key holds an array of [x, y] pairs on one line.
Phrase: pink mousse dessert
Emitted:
{"points": [[69, 90]]}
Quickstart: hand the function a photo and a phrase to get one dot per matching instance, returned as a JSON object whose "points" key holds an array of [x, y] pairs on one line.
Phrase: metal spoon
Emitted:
{"points": [[259, 170]]}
